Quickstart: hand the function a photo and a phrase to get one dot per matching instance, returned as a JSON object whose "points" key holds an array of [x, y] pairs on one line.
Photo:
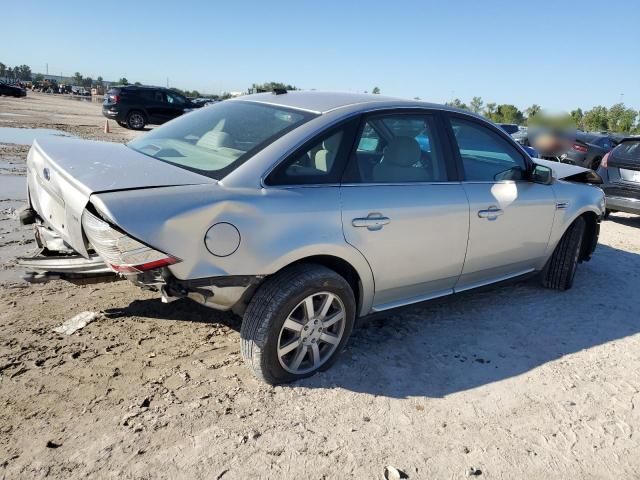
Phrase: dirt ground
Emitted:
{"points": [[512, 382]]}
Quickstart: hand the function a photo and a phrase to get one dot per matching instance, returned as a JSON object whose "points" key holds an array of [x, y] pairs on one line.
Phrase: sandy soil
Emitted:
{"points": [[513, 381]]}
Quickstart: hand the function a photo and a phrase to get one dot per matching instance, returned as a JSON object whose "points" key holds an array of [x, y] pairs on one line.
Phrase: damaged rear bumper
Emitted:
{"points": [[45, 266]]}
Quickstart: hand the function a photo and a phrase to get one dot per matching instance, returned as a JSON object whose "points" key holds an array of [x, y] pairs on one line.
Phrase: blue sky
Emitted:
{"points": [[559, 54]]}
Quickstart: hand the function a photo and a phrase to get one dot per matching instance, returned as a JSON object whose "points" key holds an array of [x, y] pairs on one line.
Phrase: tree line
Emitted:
{"points": [[617, 118]]}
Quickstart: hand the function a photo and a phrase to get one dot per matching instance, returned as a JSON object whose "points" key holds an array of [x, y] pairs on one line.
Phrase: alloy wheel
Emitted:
{"points": [[311, 333]]}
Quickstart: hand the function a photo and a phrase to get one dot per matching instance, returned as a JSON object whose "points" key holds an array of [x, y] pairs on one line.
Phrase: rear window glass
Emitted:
{"points": [[510, 129], [215, 140], [629, 151]]}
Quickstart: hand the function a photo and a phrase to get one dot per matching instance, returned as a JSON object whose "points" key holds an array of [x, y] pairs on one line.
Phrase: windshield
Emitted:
{"points": [[215, 140]]}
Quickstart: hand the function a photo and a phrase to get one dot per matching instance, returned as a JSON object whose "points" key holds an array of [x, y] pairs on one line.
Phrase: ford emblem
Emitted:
{"points": [[46, 174]]}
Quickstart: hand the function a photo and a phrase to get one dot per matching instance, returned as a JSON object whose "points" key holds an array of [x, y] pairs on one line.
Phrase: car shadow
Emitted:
{"points": [[183, 310], [468, 340], [630, 221], [473, 339]]}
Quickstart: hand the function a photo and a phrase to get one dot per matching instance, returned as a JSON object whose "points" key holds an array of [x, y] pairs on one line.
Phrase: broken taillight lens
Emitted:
{"points": [[119, 251]]}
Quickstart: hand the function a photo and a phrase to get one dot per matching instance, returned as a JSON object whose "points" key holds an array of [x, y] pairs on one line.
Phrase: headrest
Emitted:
{"points": [[332, 143], [215, 139], [402, 151]]}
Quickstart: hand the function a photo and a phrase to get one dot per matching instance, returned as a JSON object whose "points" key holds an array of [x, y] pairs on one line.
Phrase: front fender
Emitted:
{"points": [[573, 200]]}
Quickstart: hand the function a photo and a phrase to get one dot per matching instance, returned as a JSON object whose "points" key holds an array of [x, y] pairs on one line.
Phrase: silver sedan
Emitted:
{"points": [[302, 211]]}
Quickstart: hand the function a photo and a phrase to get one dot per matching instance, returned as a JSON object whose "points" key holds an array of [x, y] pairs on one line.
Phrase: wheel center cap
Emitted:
{"points": [[311, 332]]}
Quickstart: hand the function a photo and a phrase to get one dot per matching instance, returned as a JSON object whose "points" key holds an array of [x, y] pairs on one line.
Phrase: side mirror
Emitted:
{"points": [[542, 174]]}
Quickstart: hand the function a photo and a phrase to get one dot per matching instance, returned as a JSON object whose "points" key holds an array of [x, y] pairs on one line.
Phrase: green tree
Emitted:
{"points": [[38, 78], [376, 90], [99, 81], [476, 104], [507, 113], [3, 69], [123, 81], [22, 72], [533, 110], [596, 119], [577, 116], [271, 86], [77, 78], [620, 118], [457, 103], [490, 111]]}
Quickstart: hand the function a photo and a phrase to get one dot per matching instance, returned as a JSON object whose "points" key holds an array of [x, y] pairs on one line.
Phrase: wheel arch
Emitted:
{"points": [[342, 268], [591, 234]]}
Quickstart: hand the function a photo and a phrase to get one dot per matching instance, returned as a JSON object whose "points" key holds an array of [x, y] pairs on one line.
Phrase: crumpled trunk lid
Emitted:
{"points": [[62, 174]]}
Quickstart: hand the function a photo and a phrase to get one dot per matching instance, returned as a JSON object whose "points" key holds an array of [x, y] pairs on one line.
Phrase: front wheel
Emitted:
{"points": [[297, 323], [560, 270]]}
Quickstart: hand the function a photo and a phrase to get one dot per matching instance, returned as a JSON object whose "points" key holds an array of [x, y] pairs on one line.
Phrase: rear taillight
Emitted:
{"points": [[579, 148], [119, 251], [114, 98], [605, 160]]}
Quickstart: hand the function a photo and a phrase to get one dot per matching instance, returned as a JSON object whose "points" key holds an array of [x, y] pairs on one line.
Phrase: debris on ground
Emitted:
{"points": [[473, 472], [74, 324], [392, 473]]}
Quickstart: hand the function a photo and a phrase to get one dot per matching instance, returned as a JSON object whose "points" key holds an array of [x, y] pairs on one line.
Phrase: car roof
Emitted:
{"points": [[324, 102]]}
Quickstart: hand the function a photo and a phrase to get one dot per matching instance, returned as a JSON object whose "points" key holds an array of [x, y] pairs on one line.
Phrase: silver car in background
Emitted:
{"points": [[302, 211]]}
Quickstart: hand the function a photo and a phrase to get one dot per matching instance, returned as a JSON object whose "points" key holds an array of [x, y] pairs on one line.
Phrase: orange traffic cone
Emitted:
{"points": [[106, 126]]}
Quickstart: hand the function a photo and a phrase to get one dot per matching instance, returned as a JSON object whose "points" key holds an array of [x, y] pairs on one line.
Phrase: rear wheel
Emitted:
{"points": [[297, 323], [560, 270], [136, 120]]}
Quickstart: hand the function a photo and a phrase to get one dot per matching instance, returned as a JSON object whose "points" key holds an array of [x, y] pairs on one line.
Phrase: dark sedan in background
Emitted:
{"points": [[620, 172], [589, 149], [12, 90]]}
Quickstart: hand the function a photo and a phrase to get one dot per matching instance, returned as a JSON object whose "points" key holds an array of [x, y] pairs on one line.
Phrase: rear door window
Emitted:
{"points": [[397, 148]]}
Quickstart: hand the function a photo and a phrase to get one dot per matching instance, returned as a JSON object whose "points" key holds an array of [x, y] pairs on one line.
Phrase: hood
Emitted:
{"points": [[571, 173], [106, 166]]}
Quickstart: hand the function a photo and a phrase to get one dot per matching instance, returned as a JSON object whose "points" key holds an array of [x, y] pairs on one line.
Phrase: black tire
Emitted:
{"points": [[560, 271], [136, 120], [122, 124], [271, 305], [607, 212], [595, 163]]}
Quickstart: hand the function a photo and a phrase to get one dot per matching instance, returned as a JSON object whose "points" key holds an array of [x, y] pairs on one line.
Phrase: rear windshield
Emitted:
{"points": [[215, 140], [628, 151]]}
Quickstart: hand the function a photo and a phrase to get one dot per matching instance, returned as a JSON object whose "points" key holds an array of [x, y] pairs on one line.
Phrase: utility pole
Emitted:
{"points": [[47, 69]]}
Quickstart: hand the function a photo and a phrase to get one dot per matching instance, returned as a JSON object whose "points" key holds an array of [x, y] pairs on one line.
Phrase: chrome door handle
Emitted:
{"points": [[374, 221], [491, 213]]}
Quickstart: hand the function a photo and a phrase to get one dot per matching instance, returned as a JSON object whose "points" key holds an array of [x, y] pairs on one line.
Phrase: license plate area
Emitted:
{"points": [[630, 175]]}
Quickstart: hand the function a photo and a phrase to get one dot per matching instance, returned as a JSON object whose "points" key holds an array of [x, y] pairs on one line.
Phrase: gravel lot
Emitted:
{"points": [[512, 382]]}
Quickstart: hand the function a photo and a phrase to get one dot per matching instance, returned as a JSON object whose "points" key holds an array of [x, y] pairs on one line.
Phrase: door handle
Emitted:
{"points": [[491, 213], [374, 221]]}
